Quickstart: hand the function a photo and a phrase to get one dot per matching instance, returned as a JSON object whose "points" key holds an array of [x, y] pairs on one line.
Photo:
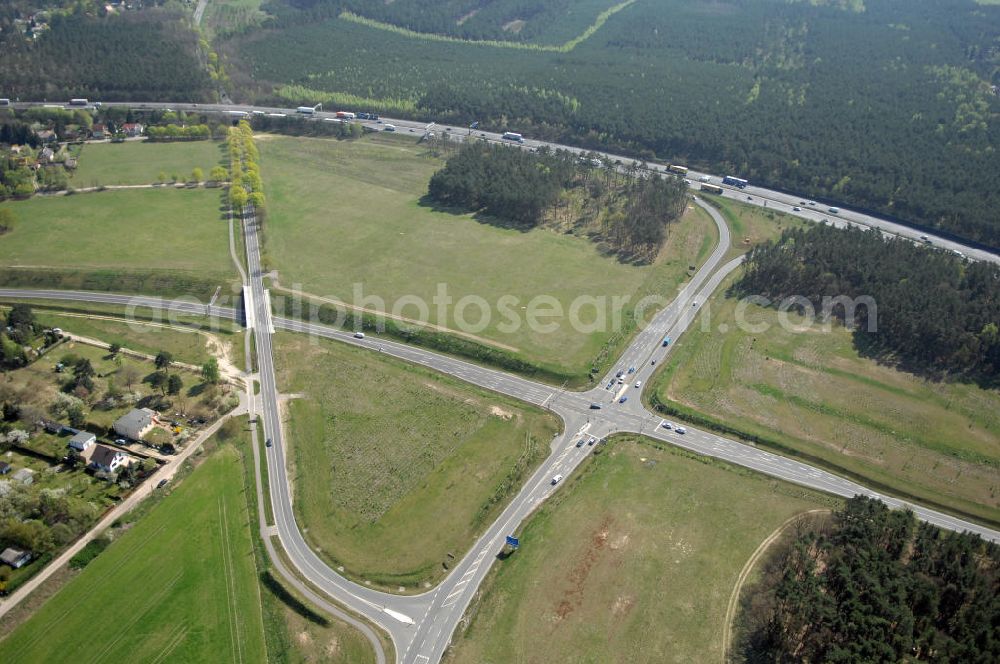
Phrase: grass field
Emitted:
{"points": [[179, 585], [633, 560], [357, 221], [170, 232], [183, 342], [751, 225], [812, 392], [138, 162], [395, 466]]}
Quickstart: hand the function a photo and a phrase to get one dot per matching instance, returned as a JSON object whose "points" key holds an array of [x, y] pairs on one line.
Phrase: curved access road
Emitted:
{"points": [[421, 625]]}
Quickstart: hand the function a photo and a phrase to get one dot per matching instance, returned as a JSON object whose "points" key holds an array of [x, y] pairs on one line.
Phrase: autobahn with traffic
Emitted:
{"points": [[751, 194], [421, 626]]}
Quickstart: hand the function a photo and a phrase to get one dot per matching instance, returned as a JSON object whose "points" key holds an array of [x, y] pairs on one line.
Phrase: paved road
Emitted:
{"points": [[761, 196], [421, 626], [199, 11]]}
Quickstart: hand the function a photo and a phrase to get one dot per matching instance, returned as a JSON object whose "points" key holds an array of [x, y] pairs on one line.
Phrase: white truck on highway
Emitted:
{"points": [[512, 136], [306, 110]]}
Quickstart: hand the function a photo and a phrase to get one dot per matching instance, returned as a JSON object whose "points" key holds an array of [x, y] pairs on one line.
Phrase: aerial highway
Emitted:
{"points": [[421, 625], [751, 194]]}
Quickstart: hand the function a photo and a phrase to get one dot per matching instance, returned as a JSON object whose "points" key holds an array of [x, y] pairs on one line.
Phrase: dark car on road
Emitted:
{"points": [[269, 443]]}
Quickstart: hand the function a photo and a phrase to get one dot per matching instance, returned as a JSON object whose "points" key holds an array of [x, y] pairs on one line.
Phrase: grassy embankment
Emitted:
{"points": [[183, 341], [395, 466], [357, 219], [811, 394], [634, 560]]}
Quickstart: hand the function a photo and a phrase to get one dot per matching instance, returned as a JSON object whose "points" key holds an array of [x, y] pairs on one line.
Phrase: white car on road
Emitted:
{"points": [[556, 479]]}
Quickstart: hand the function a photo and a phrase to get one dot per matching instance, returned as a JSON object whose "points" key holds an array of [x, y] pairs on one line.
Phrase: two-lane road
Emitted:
{"points": [[421, 626]]}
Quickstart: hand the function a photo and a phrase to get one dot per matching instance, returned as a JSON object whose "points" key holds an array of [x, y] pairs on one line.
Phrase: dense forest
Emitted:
{"points": [[146, 55], [876, 586], [935, 311], [888, 109], [631, 212], [502, 181], [544, 21]]}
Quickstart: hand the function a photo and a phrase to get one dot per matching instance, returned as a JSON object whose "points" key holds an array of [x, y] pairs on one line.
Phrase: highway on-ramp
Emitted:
{"points": [[421, 626]]}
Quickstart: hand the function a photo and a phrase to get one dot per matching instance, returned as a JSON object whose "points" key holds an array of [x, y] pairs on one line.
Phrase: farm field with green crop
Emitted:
{"points": [[421, 461], [810, 392], [180, 584], [140, 162], [633, 560], [357, 224]]}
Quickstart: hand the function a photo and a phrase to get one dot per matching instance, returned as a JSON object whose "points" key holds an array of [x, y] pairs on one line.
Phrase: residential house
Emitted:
{"points": [[16, 558], [107, 459], [136, 423], [132, 129], [46, 156], [47, 136], [98, 131], [24, 476], [4, 467], [82, 440], [51, 426]]}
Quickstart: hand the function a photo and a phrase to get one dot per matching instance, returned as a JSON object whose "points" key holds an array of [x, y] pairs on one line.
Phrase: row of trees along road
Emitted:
{"points": [[245, 184]]}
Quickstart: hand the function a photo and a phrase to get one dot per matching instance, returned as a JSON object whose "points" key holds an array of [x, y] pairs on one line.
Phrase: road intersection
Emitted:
{"points": [[421, 626]]}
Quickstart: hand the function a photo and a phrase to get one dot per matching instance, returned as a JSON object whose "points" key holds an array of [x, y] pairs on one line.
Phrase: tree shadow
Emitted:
{"points": [[871, 348], [605, 249]]}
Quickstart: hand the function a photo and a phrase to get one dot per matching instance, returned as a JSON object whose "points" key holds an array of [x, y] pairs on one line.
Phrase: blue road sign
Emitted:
{"points": [[513, 541]]}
